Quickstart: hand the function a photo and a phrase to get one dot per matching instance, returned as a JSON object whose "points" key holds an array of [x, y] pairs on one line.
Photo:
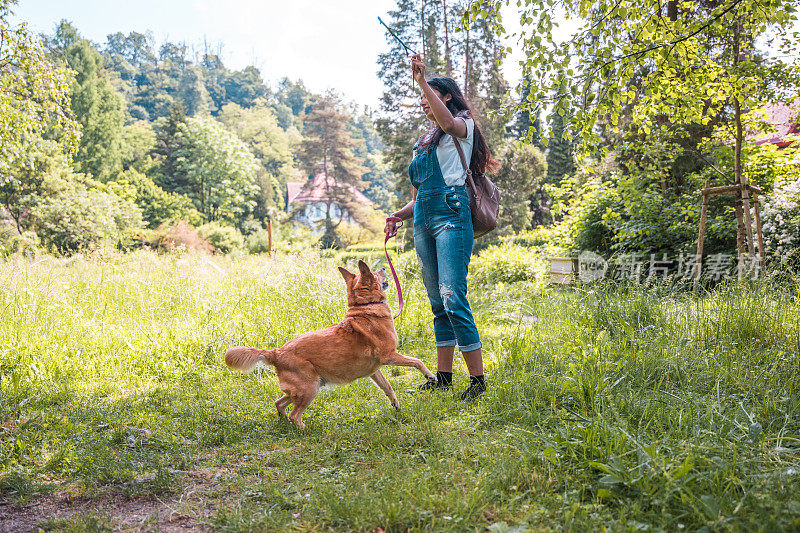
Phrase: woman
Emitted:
{"points": [[443, 224]]}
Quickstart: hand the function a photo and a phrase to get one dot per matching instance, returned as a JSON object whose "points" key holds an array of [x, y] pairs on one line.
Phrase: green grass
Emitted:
{"points": [[612, 406]]}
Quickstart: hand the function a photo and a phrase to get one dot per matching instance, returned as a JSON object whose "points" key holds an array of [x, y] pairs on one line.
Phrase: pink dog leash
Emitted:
{"points": [[391, 266]]}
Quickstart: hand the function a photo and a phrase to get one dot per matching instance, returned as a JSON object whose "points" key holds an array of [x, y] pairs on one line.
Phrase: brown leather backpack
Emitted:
{"points": [[484, 199]]}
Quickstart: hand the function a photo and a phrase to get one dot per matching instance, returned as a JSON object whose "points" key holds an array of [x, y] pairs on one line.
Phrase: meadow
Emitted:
{"points": [[615, 407]]}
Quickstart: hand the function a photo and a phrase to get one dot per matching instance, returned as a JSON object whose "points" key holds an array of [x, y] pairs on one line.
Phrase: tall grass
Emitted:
{"points": [[612, 406]]}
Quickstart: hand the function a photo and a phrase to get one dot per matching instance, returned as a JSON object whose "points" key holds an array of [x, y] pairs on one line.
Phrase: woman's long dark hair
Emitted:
{"points": [[481, 159]]}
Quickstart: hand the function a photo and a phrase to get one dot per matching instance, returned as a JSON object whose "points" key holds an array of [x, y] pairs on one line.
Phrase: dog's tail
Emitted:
{"points": [[245, 359]]}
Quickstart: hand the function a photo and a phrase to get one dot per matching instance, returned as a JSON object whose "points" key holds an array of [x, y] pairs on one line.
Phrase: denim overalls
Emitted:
{"points": [[443, 242]]}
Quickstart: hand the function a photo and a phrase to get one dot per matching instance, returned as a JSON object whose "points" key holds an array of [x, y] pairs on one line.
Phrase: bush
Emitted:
{"points": [[258, 242], [293, 237], [158, 206], [504, 263], [11, 241], [537, 237], [781, 217], [178, 237], [224, 239], [76, 216]]}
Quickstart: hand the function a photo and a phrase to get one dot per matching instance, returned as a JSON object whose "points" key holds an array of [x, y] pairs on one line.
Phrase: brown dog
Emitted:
{"points": [[354, 348]]}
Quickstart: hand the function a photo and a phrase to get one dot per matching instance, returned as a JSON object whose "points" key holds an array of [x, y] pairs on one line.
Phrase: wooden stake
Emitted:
{"points": [[269, 233], [700, 237], [748, 222], [740, 245], [760, 234]]}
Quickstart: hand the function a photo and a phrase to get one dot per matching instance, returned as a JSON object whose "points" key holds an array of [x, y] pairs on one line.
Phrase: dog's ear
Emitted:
{"points": [[364, 269], [346, 274]]}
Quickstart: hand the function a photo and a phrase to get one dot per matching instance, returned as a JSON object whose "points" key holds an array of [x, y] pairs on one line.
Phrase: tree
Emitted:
{"points": [[168, 142], [328, 147], [560, 156], [220, 171], [371, 149], [34, 95], [99, 110], [295, 97], [258, 128], [649, 81], [683, 68], [193, 93], [521, 178], [528, 123], [245, 87]]}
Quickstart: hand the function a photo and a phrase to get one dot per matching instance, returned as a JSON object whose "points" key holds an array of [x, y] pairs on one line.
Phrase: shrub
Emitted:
{"points": [[504, 263], [224, 239], [180, 236], [76, 216], [781, 217], [11, 241], [258, 242], [158, 206]]}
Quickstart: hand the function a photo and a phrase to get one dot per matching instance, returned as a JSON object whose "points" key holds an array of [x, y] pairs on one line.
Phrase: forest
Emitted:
{"points": [[149, 221]]}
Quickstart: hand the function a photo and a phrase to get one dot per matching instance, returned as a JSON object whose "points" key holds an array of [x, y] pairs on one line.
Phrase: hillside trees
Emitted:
{"points": [[94, 142], [38, 134]]}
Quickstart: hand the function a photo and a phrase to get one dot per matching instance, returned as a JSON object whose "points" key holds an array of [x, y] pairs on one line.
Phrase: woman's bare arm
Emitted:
{"points": [[404, 213], [450, 124]]}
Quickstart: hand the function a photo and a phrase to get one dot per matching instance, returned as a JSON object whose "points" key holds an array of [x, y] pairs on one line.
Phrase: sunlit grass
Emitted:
{"points": [[612, 405]]}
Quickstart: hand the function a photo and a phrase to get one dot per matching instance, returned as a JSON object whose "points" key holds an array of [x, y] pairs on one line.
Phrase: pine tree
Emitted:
{"points": [[168, 142], [193, 93], [560, 151], [328, 146], [528, 123], [99, 110]]}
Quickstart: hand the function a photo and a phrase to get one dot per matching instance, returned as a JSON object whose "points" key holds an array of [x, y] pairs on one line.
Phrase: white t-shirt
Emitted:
{"points": [[453, 171]]}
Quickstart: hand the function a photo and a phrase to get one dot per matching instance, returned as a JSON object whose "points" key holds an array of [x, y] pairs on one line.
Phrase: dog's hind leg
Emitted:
{"points": [[301, 399], [397, 359], [282, 403], [381, 381]]}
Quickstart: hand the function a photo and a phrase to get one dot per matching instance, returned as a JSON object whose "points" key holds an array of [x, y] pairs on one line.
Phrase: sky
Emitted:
{"points": [[326, 43]]}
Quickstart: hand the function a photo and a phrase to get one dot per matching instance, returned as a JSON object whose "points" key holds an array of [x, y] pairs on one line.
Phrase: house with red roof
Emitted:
{"points": [[312, 198], [785, 119]]}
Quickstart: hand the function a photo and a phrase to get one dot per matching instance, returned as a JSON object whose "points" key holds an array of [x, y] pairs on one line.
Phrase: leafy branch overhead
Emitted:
{"points": [[649, 65]]}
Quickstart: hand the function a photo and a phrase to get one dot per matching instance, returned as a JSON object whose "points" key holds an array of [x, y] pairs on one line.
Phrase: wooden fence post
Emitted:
{"points": [[269, 232]]}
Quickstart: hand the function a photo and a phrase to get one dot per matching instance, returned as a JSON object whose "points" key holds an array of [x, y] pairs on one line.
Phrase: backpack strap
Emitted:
{"points": [[464, 164]]}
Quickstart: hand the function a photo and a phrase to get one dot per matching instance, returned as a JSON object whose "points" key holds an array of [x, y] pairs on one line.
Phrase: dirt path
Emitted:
{"points": [[187, 510]]}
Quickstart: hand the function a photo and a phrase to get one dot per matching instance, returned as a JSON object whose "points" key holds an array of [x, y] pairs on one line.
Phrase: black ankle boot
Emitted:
{"points": [[477, 386], [444, 381]]}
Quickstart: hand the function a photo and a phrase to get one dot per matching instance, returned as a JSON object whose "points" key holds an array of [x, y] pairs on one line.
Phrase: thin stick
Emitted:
{"points": [[408, 50]]}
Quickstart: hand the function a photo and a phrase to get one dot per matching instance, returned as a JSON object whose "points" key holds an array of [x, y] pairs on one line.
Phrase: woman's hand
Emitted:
{"points": [[418, 68], [391, 228]]}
